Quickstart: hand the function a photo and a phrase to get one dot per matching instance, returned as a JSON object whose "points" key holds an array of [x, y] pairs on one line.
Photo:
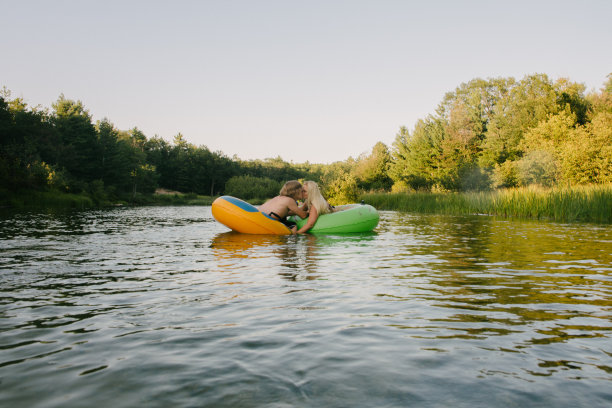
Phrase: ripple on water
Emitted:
{"points": [[163, 307]]}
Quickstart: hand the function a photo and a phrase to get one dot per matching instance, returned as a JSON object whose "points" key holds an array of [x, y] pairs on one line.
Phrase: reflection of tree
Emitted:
{"points": [[462, 242], [500, 277]]}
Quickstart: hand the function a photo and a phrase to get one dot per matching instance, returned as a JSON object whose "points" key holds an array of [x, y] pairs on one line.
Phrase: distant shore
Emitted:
{"points": [[591, 203]]}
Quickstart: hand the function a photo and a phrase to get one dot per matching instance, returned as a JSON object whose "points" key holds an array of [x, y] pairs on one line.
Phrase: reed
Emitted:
{"points": [[592, 203]]}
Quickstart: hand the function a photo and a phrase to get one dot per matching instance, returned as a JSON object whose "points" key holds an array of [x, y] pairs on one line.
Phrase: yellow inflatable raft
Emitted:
{"points": [[243, 217]]}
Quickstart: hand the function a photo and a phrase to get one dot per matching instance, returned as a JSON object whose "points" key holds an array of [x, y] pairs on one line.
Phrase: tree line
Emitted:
{"points": [[507, 133], [63, 150], [485, 134]]}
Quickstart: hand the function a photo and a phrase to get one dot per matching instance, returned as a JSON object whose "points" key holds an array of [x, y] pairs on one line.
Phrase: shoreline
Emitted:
{"points": [[591, 203]]}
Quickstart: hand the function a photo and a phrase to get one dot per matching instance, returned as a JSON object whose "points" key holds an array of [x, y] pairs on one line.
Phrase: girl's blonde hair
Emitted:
{"points": [[291, 189], [315, 198]]}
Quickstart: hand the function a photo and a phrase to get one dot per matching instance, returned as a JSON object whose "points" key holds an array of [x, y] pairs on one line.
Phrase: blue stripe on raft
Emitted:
{"points": [[240, 204], [270, 217]]}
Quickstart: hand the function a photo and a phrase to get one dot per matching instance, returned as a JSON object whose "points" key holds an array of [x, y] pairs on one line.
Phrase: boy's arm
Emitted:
{"points": [[294, 209]]}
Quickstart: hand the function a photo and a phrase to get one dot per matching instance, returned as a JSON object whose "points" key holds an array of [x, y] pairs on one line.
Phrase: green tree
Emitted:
{"points": [[113, 168], [158, 154], [587, 154], [143, 176], [25, 133], [416, 157], [522, 108], [372, 171], [180, 162], [479, 98], [571, 97], [79, 145], [538, 167], [460, 146], [343, 189], [249, 187], [608, 85]]}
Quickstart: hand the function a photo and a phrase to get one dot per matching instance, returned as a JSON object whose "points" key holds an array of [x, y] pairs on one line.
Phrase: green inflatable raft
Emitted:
{"points": [[345, 219]]}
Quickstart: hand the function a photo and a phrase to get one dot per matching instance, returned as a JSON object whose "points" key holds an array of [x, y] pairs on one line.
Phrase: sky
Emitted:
{"points": [[317, 81]]}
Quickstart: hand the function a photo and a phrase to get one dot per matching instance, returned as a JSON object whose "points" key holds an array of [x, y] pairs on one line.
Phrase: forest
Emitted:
{"points": [[487, 134]]}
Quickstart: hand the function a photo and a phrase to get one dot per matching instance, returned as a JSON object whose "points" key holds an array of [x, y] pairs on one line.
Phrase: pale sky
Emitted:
{"points": [[313, 80]]}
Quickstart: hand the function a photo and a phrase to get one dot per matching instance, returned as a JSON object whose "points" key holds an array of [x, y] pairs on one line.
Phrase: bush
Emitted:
{"points": [[401, 186], [96, 191], [538, 167], [505, 175], [475, 179]]}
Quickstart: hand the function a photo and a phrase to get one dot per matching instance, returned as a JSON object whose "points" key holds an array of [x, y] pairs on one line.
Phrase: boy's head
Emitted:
{"points": [[292, 189]]}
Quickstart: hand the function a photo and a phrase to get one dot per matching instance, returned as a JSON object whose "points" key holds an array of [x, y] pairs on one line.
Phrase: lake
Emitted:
{"points": [[162, 306]]}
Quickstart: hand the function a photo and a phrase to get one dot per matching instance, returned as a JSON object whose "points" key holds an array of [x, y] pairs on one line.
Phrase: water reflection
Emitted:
{"points": [[236, 245], [426, 311], [525, 283], [299, 257]]}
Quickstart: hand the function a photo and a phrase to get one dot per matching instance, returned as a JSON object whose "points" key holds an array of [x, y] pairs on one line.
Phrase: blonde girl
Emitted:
{"points": [[314, 203]]}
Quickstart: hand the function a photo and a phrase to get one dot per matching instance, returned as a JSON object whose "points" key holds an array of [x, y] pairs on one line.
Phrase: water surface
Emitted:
{"points": [[164, 307]]}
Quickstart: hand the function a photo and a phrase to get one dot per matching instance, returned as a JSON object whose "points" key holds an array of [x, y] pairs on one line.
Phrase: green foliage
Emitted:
{"points": [[249, 187], [493, 133], [342, 190], [45, 199], [586, 156], [372, 172], [521, 108], [570, 96], [505, 175], [416, 156], [537, 167], [475, 178], [608, 85], [504, 133], [79, 152]]}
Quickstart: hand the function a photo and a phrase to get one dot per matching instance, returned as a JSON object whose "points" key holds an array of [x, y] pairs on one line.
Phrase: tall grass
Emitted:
{"points": [[591, 203]]}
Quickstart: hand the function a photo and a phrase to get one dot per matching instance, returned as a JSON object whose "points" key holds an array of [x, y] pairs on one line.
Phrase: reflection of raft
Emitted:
{"points": [[232, 244], [345, 219], [241, 216]]}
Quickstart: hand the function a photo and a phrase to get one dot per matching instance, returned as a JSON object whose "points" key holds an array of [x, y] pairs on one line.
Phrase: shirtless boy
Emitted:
{"points": [[285, 204]]}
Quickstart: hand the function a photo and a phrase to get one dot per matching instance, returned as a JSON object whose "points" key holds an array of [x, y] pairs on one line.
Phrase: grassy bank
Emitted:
{"points": [[580, 203], [45, 199], [61, 200]]}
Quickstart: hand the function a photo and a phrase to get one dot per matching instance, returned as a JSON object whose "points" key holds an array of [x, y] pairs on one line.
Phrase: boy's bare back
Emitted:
{"points": [[282, 206]]}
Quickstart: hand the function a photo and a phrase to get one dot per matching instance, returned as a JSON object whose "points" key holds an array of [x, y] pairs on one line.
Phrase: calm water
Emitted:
{"points": [[163, 307]]}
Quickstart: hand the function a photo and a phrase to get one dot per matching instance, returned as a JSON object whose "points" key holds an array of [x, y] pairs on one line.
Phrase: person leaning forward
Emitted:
{"points": [[285, 204]]}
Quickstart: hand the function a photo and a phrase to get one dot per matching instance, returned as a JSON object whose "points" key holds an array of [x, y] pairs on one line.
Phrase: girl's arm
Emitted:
{"points": [[312, 218]]}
